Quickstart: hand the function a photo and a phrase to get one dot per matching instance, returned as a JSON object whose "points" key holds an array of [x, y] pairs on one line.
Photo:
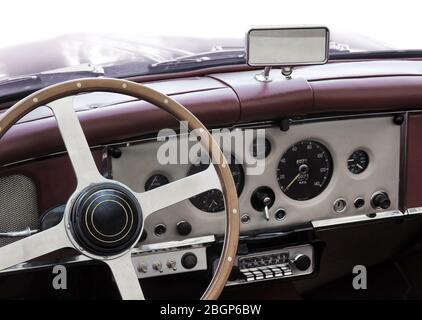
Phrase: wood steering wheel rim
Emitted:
{"points": [[180, 113]]}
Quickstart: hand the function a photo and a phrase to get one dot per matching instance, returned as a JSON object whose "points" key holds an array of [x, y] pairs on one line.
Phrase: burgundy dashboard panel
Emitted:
{"points": [[367, 94], [268, 100], [413, 197]]}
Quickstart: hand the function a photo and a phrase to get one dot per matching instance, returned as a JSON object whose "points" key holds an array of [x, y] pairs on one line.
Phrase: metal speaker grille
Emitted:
{"points": [[18, 205]]}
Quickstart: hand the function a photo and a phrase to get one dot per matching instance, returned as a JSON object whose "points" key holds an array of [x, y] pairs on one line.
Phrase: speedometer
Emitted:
{"points": [[305, 170]]}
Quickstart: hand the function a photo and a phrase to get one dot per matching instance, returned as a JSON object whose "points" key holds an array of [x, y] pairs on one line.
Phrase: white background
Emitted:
{"points": [[393, 22]]}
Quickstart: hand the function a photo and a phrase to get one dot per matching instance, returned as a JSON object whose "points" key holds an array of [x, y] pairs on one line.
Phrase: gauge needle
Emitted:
{"points": [[293, 181], [211, 204], [359, 166]]}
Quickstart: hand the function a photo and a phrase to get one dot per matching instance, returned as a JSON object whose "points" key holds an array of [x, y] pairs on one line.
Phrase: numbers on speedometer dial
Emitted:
{"points": [[304, 170], [212, 200]]}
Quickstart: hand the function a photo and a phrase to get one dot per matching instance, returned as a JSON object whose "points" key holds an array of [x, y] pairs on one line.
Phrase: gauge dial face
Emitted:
{"points": [[305, 170], [358, 162], [261, 148], [155, 181], [212, 200]]}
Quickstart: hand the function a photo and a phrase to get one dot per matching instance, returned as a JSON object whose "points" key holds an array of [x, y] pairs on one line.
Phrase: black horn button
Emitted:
{"points": [[106, 219]]}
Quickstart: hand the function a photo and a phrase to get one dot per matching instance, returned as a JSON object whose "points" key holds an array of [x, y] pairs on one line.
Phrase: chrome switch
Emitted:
{"points": [[158, 266], [171, 264]]}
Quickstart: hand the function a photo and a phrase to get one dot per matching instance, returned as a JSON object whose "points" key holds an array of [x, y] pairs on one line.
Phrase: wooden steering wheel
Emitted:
{"points": [[119, 212]]}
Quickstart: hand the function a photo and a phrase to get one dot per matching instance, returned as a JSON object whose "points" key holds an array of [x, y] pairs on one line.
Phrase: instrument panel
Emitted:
{"points": [[315, 171]]}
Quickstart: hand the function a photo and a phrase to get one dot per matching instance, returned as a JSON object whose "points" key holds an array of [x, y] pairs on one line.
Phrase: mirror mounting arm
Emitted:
{"points": [[287, 72], [264, 76]]}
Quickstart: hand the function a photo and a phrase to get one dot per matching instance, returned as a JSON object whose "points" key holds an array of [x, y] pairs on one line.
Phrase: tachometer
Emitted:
{"points": [[305, 170], [212, 200]]}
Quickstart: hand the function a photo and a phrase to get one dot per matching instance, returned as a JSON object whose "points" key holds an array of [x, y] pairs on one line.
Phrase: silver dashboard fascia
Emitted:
{"points": [[378, 136]]}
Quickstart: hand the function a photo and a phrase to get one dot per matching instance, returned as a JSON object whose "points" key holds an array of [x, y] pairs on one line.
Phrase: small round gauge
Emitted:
{"points": [[261, 148], [358, 162], [305, 170], [212, 200], [155, 181]]}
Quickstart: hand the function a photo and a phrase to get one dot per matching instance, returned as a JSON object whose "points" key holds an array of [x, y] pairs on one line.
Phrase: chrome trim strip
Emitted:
{"points": [[174, 244], [339, 117], [413, 211], [358, 218], [403, 162]]}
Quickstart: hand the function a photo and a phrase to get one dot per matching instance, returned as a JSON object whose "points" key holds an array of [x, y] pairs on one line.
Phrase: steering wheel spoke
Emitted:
{"points": [[177, 191], [34, 246], [75, 141], [126, 279]]}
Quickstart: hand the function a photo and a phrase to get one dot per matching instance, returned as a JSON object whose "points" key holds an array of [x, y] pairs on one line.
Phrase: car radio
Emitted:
{"points": [[286, 263]]}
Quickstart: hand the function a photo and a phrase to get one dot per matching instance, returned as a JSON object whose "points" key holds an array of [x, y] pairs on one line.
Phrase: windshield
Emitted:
{"points": [[129, 37]]}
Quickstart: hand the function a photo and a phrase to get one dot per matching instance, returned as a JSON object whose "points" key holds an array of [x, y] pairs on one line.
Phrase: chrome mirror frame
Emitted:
{"points": [[286, 68]]}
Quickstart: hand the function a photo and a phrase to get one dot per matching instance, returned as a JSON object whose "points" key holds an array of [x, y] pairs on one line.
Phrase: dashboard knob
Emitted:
{"points": [[381, 201], [302, 262], [263, 199], [172, 264], [189, 260], [158, 266], [183, 228], [143, 268], [280, 214]]}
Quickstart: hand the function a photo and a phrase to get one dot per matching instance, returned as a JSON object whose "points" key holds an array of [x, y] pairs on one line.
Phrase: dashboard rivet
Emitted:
{"points": [[229, 259], [79, 85], [124, 85], [35, 100], [223, 164], [235, 211], [166, 101]]}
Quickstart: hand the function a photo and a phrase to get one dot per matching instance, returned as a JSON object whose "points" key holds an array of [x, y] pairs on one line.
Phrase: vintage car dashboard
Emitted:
{"points": [[342, 146]]}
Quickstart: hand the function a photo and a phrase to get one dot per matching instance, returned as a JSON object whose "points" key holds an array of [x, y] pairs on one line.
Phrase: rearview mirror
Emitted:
{"points": [[287, 46]]}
